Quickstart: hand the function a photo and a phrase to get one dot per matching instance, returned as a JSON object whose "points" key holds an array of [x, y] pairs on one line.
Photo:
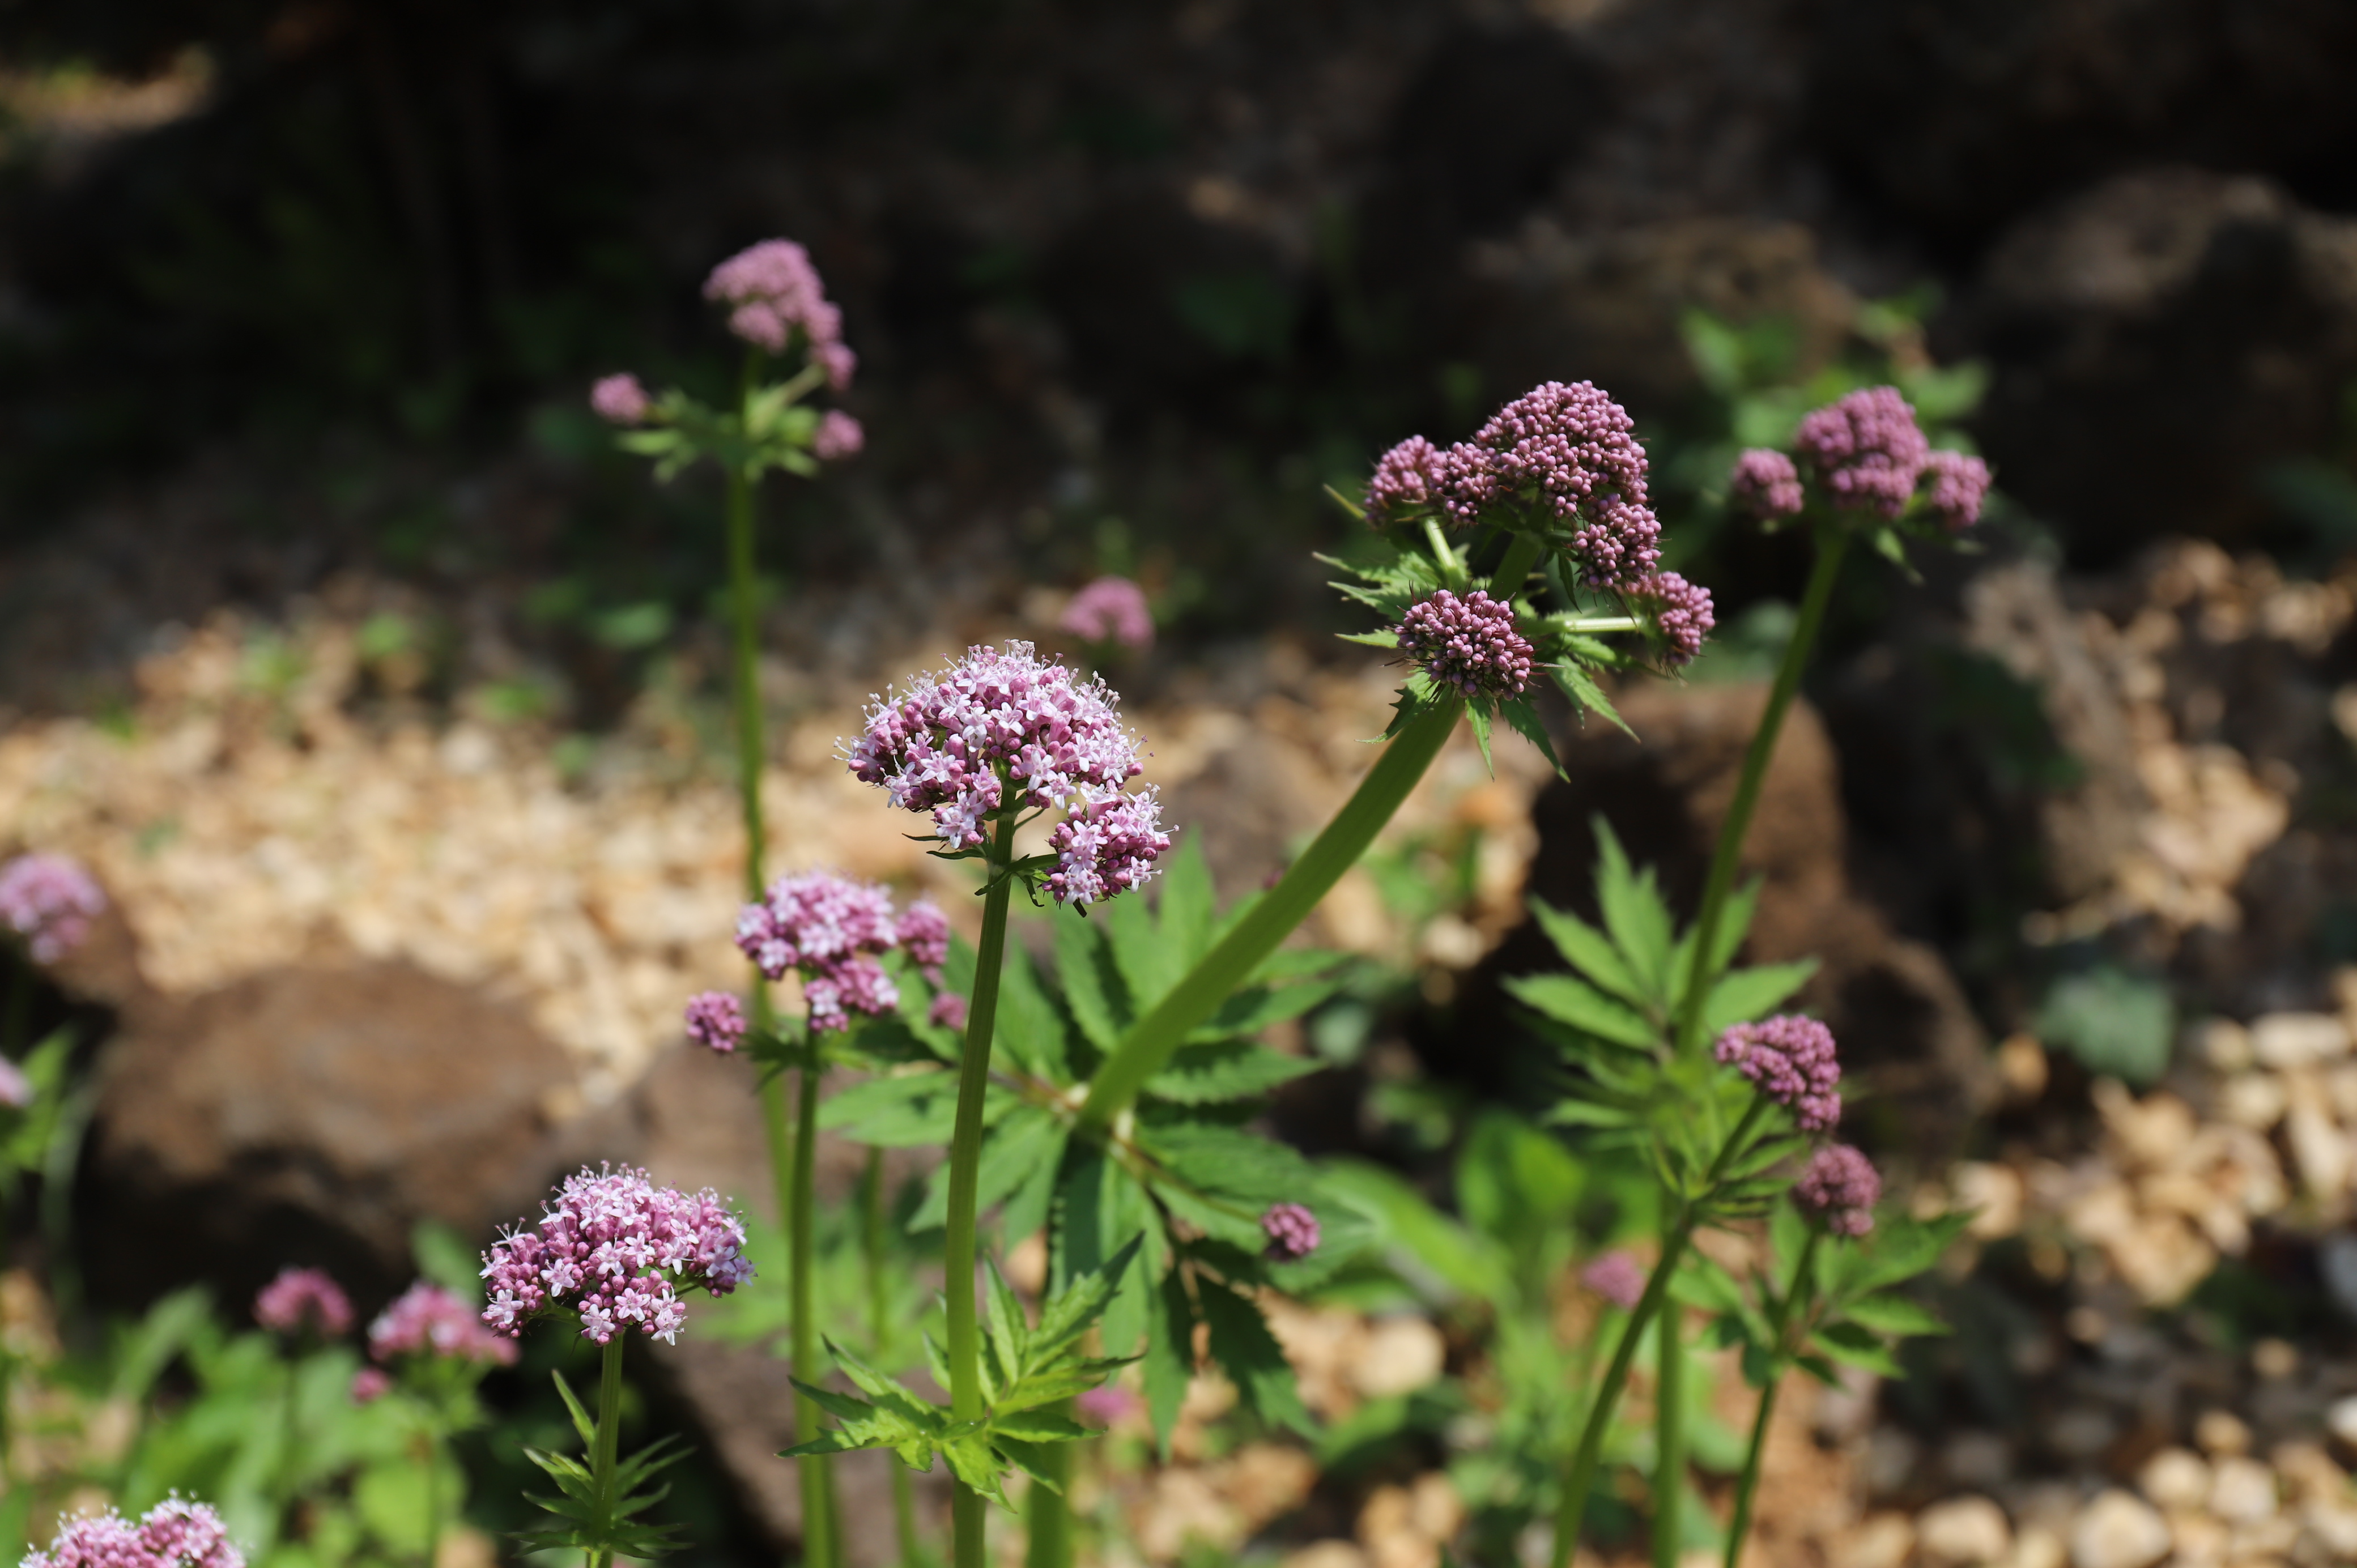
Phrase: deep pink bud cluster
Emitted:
{"points": [[300, 1299], [1765, 484], [1571, 448], [952, 743], [1616, 1276], [924, 935], [1291, 1231], [1839, 1190], [1111, 609], [831, 929], [776, 292], [620, 400], [1792, 1059], [838, 436], [1407, 482], [1960, 484], [1681, 612], [715, 1018], [1865, 448], [172, 1534], [427, 1320], [50, 900], [616, 1250], [1468, 644]]}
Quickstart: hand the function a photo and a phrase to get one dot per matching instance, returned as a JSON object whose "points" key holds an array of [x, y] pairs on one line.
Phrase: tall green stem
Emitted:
{"points": [[818, 1545], [1571, 1507], [603, 1461], [965, 1165], [432, 1492], [1049, 1514], [1739, 1524], [1831, 542], [873, 1239], [1669, 1434], [1146, 1048]]}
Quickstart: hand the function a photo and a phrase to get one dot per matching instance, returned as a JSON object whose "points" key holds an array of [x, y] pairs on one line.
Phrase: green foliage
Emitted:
{"points": [[599, 1515], [2112, 1021], [1027, 1370], [771, 428]]}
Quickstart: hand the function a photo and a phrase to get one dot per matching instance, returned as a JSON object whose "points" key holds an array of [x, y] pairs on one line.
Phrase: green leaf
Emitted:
{"points": [[1150, 966], [1744, 995], [1030, 1032], [1575, 1001], [1853, 1346], [1186, 906], [1230, 1069], [1092, 987], [1170, 1355], [905, 1111], [1525, 719], [1897, 1315], [1038, 1425], [1634, 915], [1242, 1346], [1514, 1182], [1477, 715], [1587, 695], [1588, 950], [2113, 1022], [1012, 1152], [1229, 1162]]}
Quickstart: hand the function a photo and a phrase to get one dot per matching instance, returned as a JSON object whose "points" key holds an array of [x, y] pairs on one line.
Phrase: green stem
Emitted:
{"points": [[873, 1238], [745, 614], [1146, 1048], [1571, 1507], [818, 1494], [1831, 542], [290, 1436], [1050, 1514], [966, 1164], [1739, 1524], [433, 1494], [1669, 1434], [603, 1461]]}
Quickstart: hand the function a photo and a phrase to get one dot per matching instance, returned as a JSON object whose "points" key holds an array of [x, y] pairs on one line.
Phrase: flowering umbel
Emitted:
{"points": [[1110, 610], [427, 1320], [615, 1250], [172, 1534], [1003, 730], [1866, 453], [717, 1019], [832, 929], [1792, 1059], [49, 901], [775, 295], [304, 1299], [1839, 1190], [1469, 645], [1680, 613]]}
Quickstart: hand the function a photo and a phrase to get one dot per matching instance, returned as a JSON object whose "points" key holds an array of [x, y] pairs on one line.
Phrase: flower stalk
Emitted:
{"points": [[1669, 1434], [609, 1440], [1738, 1525], [967, 1515], [1146, 1048]]}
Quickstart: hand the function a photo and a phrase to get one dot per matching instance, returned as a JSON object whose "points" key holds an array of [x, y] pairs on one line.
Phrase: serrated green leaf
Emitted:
{"points": [[1186, 907], [1634, 915], [1013, 1151], [1897, 1315], [1853, 1346], [1229, 1069], [1170, 1355], [1570, 1000], [1228, 1161], [906, 1110], [1150, 966], [974, 1462], [1030, 1028], [1589, 950], [1092, 987], [1386, 639], [1744, 995], [1066, 1316], [1587, 696], [1242, 1346], [1031, 1458], [582, 1424], [1024, 1209], [1477, 714], [1519, 713]]}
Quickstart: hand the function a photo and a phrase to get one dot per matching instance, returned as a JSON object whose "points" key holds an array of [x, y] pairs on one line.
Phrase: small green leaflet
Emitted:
{"points": [[588, 1524]]}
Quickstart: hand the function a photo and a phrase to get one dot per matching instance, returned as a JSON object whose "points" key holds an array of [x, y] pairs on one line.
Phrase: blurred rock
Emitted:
{"points": [[313, 1115], [2118, 1529], [2157, 340], [1962, 1532]]}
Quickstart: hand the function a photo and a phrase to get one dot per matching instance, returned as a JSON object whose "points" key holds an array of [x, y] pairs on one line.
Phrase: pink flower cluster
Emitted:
{"points": [[1869, 452], [1792, 1059], [1470, 644], [1839, 1190], [1291, 1231], [301, 1299], [1111, 609], [15, 1088], [427, 1320], [1616, 1276], [1766, 484], [1681, 612], [620, 400], [616, 1250], [774, 292], [838, 436], [1569, 449], [49, 901], [831, 929], [1001, 729], [172, 1534], [717, 1019]]}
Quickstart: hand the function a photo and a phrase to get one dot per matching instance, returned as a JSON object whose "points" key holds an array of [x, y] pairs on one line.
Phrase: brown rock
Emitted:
{"points": [[312, 1115]]}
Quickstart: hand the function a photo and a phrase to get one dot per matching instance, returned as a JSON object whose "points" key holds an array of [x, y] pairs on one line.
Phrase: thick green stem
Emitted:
{"points": [[1049, 1514], [819, 1543], [1739, 1524], [1669, 1434], [1833, 542], [1571, 1507], [965, 1165], [604, 1460], [1146, 1048]]}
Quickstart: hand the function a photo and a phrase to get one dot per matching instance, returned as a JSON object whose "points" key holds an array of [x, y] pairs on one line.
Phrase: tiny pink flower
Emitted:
{"points": [[1407, 482], [776, 294], [830, 929], [1291, 1231], [612, 1248], [49, 901], [1765, 484], [1572, 452], [1682, 612], [924, 936], [717, 1019], [427, 1320], [1839, 1190], [1865, 448], [620, 400], [172, 1534], [302, 1300], [1111, 610], [838, 436], [1469, 645], [1616, 1276]]}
